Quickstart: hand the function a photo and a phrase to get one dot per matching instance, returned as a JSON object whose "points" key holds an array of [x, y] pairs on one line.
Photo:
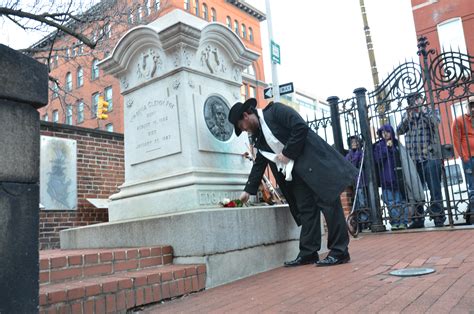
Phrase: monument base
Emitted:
{"points": [[233, 242]]}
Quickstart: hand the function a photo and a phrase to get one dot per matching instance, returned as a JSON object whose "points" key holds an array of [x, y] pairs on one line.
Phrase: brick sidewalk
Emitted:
{"points": [[362, 286]]}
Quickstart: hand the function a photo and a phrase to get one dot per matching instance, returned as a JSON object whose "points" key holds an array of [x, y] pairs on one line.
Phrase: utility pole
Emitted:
{"points": [[275, 85], [370, 46]]}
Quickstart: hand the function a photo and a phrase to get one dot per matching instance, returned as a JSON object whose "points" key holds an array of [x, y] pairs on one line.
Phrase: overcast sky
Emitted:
{"points": [[322, 42], [323, 49]]}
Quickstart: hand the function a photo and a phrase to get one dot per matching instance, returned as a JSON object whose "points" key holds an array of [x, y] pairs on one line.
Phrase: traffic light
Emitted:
{"points": [[102, 108]]}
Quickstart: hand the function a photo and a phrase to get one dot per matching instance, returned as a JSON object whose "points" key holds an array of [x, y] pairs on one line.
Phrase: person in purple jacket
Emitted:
{"points": [[355, 156], [387, 160]]}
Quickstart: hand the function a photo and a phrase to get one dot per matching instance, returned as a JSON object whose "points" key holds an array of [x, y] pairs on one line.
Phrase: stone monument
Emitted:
{"points": [[179, 77], [24, 88]]}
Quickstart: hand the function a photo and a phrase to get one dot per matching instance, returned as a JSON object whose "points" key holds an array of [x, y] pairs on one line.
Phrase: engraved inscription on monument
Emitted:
{"points": [[215, 114], [154, 128], [58, 175]]}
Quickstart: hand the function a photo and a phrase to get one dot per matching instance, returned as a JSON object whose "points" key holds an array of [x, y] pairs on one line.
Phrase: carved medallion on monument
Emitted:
{"points": [[215, 114], [148, 63]]}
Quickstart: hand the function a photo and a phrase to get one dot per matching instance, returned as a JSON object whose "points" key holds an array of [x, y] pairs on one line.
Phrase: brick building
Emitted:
{"points": [[74, 96], [446, 23]]}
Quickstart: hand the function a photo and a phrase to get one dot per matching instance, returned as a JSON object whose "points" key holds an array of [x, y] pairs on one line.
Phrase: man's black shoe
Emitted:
{"points": [[299, 261], [416, 225], [331, 260]]}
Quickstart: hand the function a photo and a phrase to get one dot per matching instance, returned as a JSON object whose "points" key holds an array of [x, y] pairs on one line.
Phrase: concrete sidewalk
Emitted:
{"points": [[361, 286]]}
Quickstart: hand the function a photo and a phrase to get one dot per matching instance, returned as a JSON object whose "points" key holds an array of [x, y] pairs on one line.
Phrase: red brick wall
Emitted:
{"points": [[100, 171]]}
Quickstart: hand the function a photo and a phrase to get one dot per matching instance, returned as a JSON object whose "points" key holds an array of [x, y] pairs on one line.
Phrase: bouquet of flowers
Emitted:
{"points": [[231, 203]]}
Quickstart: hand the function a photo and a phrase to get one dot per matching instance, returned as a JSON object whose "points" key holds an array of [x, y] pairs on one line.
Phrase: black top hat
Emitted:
{"points": [[237, 110]]}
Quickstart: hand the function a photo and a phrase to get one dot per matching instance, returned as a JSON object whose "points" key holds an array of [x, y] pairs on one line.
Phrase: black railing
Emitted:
{"points": [[415, 172]]}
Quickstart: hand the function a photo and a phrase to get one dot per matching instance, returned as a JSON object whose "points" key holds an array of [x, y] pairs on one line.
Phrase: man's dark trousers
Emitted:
{"points": [[310, 207]]}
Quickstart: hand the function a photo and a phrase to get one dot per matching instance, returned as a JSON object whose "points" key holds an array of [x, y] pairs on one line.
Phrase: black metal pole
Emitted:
{"points": [[336, 123], [369, 164]]}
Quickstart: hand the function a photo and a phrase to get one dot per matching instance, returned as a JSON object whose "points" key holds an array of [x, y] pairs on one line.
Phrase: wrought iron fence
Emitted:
{"points": [[413, 134]]}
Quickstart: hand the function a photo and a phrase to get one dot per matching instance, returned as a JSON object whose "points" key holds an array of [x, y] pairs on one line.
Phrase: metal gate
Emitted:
{"points": [[412, 130]]}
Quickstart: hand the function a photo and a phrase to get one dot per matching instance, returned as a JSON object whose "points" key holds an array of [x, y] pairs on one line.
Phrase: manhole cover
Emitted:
{"points": [[409, 272]]}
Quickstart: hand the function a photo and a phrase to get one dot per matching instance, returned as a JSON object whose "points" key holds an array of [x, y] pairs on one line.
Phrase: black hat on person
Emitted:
{"points": [[237, 110]]}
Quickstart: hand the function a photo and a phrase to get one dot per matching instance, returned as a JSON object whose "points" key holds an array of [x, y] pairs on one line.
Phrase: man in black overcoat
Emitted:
{"points": [[319, 175]]}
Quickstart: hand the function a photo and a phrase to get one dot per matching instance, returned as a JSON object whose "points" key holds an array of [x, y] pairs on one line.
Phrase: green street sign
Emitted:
{"points": [[275, 49]]}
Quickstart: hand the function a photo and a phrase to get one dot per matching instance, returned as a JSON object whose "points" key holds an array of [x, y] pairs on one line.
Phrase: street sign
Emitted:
{"points": [[275, 49], [284, 89]]}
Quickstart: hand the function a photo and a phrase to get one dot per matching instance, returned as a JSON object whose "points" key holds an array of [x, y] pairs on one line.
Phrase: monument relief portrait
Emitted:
{"points": [[215, 114]]}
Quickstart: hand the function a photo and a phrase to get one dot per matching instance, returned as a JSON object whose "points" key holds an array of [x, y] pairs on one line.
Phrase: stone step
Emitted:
{"points": [[122, 291], [58, 266]]}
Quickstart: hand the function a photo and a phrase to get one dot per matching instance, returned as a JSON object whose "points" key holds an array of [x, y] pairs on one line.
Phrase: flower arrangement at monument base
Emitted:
{"points": [[226, 202]]}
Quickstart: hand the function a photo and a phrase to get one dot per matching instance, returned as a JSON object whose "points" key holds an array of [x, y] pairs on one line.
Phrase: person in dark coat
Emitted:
{"points": [[387, 160], [309, 172], [355, 157]]}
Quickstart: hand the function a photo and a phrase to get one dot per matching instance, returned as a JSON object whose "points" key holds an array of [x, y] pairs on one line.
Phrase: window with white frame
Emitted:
{"points": [[196, 7], [250, 34], [157, 5], [55, 90], [451, 35], [244, 31], [109, 127], [69, 114], [228, 21], [187, 5], [68, 81], [45, 117], [80, 112], [213, 15], [95, 69], [108, 98], [205, 12], [55, 116], [236, 27], [146, 7], [95, 102], [80, 77]]}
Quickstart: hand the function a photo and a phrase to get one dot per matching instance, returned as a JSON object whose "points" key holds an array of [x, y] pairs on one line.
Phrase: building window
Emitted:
{"points": [[68, 82], [157, 5], [80, 77], [80, 50], [95, 69], [213, 15], [139, 14], [95, 102], [236, 27], [252, 92], [130, 17], [67, 54], [55, 90], [55, 116], [146, 7], [196, 7], [108, 31], [249, 71], [244, 31], [69, 114], [187, 6], [205, 12], [108, 98], [228, 22], [250, 34], [451, 35], [243, 93], [80, 112], [45, 117], [109, 127], [55, 60]]}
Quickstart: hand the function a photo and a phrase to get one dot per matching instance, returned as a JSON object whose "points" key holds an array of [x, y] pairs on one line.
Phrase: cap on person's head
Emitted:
{"points": [[237, 110], [412, 97]]}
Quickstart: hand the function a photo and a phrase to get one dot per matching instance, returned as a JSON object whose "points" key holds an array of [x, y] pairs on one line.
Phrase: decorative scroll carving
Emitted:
{"points": [[211, 59]]}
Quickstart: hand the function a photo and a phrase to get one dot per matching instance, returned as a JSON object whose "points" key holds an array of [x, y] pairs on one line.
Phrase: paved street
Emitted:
{"points": [[361, 286]]}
